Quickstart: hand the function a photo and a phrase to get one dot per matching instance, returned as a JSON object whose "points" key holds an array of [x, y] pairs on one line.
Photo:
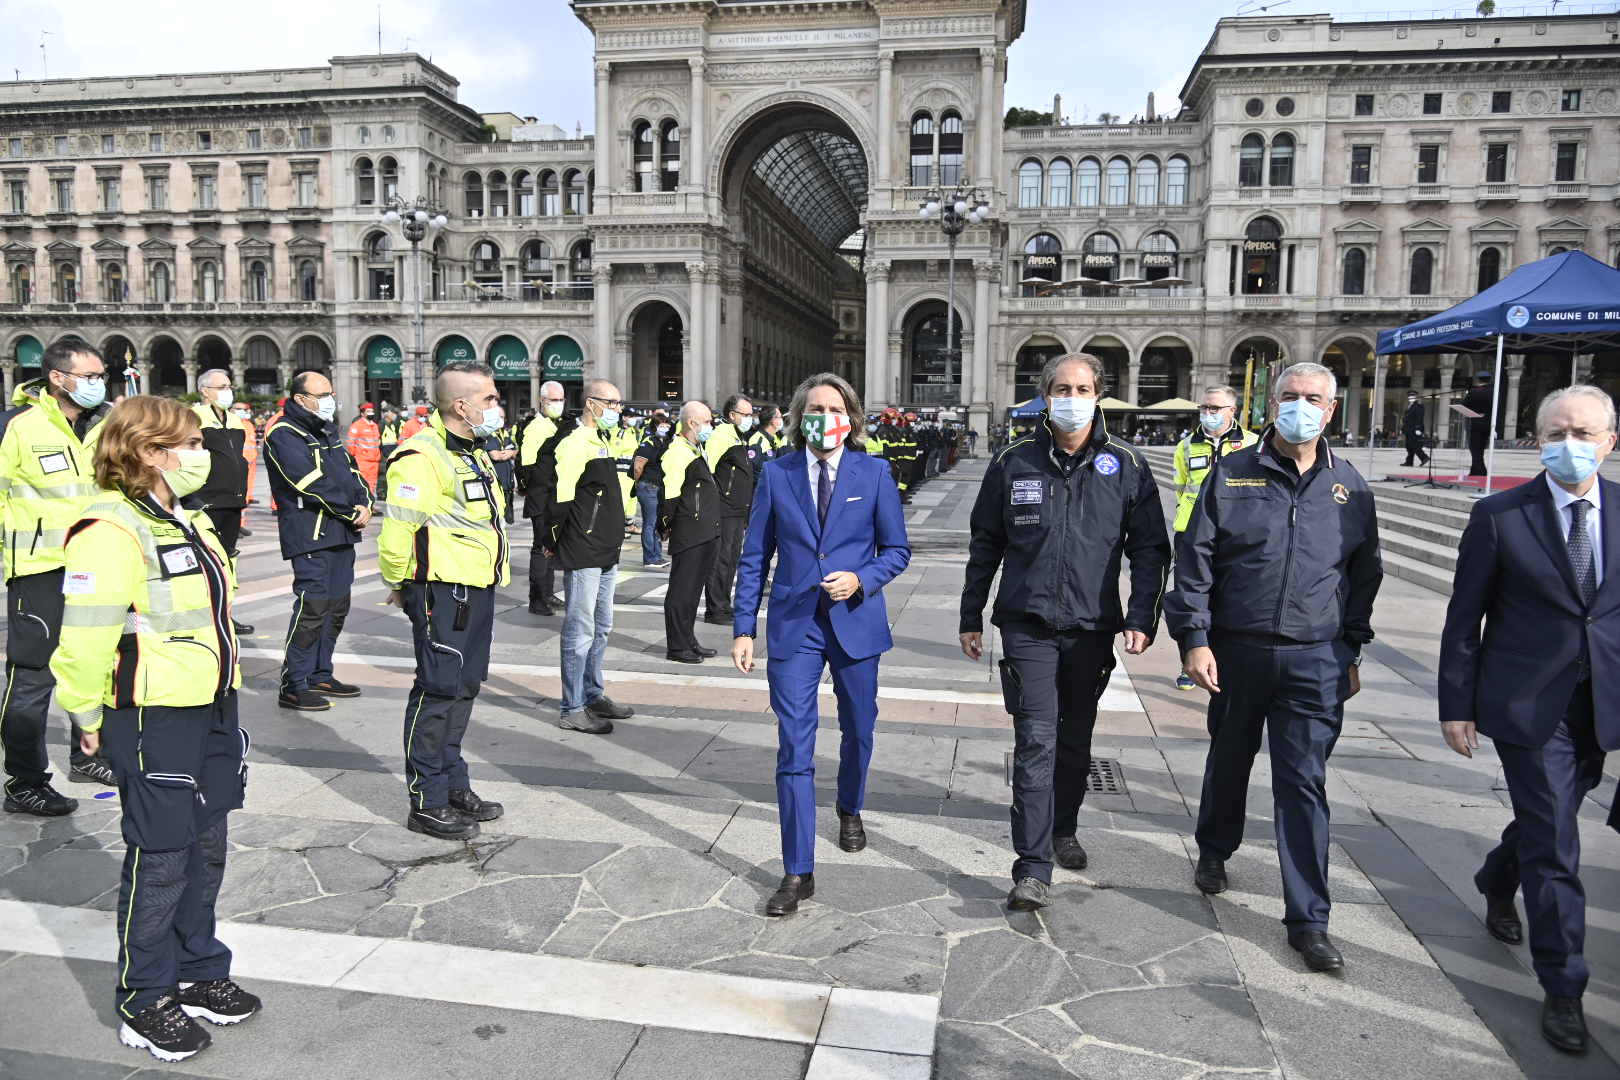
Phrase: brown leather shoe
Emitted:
{"points": [[851, 833], [794, 887]]}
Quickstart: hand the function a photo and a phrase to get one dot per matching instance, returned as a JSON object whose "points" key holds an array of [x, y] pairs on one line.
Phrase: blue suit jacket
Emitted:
{"points": [[865, 533], [1516, 678]]}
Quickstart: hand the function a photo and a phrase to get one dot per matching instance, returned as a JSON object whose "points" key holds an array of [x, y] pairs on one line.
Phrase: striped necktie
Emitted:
{"points": [[1580, 551]]}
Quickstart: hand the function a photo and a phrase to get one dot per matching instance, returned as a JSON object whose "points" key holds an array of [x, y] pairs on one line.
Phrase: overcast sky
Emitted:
{"points": [[534, 58]]}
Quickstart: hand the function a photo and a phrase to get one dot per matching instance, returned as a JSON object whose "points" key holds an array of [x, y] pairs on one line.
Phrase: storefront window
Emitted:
{"points": [[1100, 257], [1043, 259], [1262, 257]]}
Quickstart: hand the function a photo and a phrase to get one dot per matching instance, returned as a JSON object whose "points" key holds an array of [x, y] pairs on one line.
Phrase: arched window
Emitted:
{"points": [[922, 150], [1282, 160], [1251, 161], [1355, 272], [579, 270], [1175, 182], [573, 192], [486, 257], [1262, 257], [1099, 258], [389, 169], [162, 283], [380, 248], [1043, 259], [309, 282], [67, 283], [1490, 268], [590, 192], [1159, 256], [642, 145], [22, 284], [1057, 193], [534, 265], [497, 194], [550, 202], [365, 182], [440, 266], [669, 151], [365, 135], [1029, 183], [112, 283], [950, 149], [1421, 282], [473, 184], [1118, 192], [523, 204], [1090, 188], [258, 282], [208, 282], [1147, 182]]}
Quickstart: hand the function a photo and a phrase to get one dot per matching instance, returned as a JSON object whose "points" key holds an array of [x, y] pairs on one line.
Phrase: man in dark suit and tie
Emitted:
{"points": [[831, 516], [1541, 563]]}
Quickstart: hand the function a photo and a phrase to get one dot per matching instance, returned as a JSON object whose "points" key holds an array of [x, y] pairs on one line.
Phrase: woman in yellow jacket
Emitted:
{"points": [[147, 668]]}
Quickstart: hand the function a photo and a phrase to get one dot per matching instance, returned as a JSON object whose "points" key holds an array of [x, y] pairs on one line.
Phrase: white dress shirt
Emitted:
{"points": [[1562, 500], [833, 459]]}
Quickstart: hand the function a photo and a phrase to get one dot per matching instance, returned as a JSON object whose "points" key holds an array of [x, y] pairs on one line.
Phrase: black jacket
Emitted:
{"points": [[734, 474], [223, 437], [652, 448], [1058, 531], [317, 488], [693, 516], [1276, 557], [1412, 423]]}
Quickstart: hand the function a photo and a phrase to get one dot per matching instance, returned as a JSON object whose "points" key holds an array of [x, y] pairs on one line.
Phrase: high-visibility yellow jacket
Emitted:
{"points": [[591, 502], [147, 610], [47, 474], [443, 518], [1194, 456], [541, 428]]}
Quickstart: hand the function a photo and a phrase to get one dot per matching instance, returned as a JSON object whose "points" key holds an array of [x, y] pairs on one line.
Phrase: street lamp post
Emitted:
{"points": [[954, 213], [416, 217]]}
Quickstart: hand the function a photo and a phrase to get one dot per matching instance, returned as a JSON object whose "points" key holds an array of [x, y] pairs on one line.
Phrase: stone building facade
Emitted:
{"points": [[748, 210]]}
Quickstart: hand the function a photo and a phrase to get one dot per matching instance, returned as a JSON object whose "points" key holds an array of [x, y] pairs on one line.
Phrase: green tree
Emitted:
{"points": [[1017, 118], [1487, 8], [1107, 118]]}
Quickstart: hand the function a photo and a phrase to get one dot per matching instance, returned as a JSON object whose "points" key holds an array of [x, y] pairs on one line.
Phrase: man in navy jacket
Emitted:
{"points": [[831, 516], [322, 503], [1540, 565]]}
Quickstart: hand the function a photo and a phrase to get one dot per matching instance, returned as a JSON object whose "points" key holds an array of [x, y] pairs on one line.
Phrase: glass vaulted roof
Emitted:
{"points": [[821, 178]]}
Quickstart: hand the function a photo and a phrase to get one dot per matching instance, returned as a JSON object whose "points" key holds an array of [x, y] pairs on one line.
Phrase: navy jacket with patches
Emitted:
{"points": [[1059, 534], [1276, 557]]}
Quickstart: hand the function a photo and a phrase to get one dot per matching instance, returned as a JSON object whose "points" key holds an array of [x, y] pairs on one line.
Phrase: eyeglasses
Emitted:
{"points": [[612, 403], [88, 374]]}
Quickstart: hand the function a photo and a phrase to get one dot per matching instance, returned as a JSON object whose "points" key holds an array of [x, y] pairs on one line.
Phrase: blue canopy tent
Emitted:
{"points": [[1028, 410], [1566, 301]]}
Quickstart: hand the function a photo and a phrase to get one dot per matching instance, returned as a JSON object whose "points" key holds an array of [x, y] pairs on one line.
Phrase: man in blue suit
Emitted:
{"points": [[1541, 563], [831, 515]]}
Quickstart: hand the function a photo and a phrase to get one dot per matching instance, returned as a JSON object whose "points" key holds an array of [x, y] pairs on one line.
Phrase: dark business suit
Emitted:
{"points": [[1478, 400], [864, 531], [1412, 429], [1514, 573]]}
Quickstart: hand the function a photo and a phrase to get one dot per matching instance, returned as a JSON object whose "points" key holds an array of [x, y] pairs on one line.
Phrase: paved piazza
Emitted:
{"points": [[611, 924]]}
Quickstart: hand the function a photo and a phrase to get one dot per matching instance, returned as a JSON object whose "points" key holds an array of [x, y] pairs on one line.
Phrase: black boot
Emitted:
{"points": [[442, 823]]}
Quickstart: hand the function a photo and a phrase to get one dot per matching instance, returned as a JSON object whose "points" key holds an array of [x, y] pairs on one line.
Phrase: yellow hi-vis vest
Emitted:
{"points": [[1194, 456], [443, 518], [47, 475], [142, 621]]}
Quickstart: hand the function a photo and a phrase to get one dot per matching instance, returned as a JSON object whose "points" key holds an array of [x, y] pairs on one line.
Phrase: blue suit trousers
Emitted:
{"points": [[795, 682]]}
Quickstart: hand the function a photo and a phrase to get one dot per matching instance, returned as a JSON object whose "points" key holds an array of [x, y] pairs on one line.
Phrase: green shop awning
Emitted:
{"points": [[510, 359], [454, 349], [383, 358], [29, 351], [563, 360]]}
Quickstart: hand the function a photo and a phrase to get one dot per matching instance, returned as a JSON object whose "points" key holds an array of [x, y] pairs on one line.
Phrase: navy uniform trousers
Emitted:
{"points": [[1541, 847], [180, 771], [451, 626], [1051, 681], [321, 584], [795, 682], [33, 627], [1294, 694]]}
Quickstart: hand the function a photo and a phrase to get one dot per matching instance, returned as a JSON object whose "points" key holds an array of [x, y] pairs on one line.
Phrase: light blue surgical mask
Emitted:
{"points": [[1298, 421], [703, 435], [1212, 422], [88, 391], [494, 419], [608, 420], [1072, 413], [745, 424], [1570, 461]]}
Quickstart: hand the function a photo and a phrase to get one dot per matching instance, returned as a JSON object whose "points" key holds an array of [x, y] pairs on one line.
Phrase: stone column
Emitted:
{"points": [[1583, 365], [984, 167], [1510, 404], [1380, 391], [695, 370], [885, 121], [695, 172], [721, 369], [602, 363], [535, 364], [1133, 379], [190, 366], [976, 386], [878, 386], [1352, 402], [604, 138], [8, 380], [894, 363]]}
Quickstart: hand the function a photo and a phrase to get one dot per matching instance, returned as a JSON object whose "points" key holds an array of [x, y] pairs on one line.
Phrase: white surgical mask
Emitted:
{"points": [[745, 424], [554, 409], [494, 419], [1072, 413], [224, 398], [190, 475], [326, 407]]}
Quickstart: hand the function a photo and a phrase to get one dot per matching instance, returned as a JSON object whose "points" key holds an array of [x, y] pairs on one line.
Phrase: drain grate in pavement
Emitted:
{"points": [[1106, 777]]}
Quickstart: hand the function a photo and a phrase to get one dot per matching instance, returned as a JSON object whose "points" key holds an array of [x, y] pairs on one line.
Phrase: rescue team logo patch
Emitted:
{"points": [[1027, 491], [1107, 464], [1245, 481], [407, 491], [1341, 494], [79, 583]]}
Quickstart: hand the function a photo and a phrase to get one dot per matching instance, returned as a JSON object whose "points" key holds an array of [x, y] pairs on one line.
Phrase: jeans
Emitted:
{"points": [[652, 550], [587, 621]]}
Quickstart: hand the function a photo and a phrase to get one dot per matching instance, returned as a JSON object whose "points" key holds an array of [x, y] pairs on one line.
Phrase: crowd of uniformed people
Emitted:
{"points": [[121, 529]]}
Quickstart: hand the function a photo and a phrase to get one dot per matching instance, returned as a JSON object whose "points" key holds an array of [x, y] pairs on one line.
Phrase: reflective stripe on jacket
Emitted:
{"points": [[146, 617], [443, 517], [1194, 456], [47, 475]]}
